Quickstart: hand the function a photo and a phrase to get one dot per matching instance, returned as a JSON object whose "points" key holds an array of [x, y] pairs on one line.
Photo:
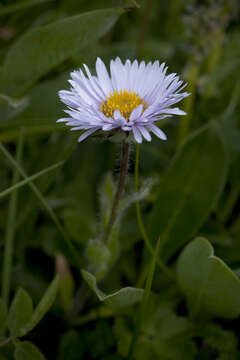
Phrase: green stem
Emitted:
{"points": [[143, 232], [120, 189], [10, 230], [144, 302]]}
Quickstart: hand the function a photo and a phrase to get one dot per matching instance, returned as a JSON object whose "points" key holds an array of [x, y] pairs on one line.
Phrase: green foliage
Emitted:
{"points": [[3, 316], [123, 297], [188, 188], [218, 290], [26, 62], [27, 351], [224, 341], [98, 256], [194, 193], [20, 312], [43, 306]]}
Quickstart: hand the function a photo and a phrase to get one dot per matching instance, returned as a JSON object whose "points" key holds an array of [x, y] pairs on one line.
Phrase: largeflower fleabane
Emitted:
{"points": [[131, 99]]}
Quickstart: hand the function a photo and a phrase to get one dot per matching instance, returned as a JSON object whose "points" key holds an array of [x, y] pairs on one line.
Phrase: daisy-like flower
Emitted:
{"points": [[132, 98]]}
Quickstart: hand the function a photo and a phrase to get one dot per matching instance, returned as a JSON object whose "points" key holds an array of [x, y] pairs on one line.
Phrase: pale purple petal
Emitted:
{"points": [[86, 134], [137, 135], [158, 132]]}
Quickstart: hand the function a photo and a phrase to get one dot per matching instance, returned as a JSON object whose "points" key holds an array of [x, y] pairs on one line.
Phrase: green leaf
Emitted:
{"points": [[189, 190], [98, 256], [224, 341], [20, 5], [164, 335], [43, 307], [25, 62], [20, 312], [27, 351], [3, 316], [218, 288], [124, 297]]}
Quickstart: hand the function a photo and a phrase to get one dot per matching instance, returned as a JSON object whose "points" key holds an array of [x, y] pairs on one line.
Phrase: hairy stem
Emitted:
{"points": [[120, 189]]}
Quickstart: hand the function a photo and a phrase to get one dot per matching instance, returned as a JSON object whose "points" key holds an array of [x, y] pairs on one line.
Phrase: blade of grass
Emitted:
{"points": [[67, 246], [143, 232], [144, 302], [29, 179], [10, 229]]}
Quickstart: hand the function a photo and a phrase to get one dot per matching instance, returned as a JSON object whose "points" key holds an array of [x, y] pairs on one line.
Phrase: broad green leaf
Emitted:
{"points": [[43, 307], [26, 61], [3, 316], [7, 9], [189, 190], [124, 297], [27, 351], [20, 312], [208, 283]]}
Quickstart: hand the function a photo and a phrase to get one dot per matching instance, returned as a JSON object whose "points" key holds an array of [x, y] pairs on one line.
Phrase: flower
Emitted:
{"points": [[131, 99]]}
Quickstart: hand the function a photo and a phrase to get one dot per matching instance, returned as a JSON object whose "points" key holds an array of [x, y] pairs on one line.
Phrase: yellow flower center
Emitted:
{"points": [[124, 101]]}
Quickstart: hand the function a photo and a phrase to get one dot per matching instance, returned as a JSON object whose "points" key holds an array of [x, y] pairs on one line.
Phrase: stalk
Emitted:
{"points": [[120, 189]]}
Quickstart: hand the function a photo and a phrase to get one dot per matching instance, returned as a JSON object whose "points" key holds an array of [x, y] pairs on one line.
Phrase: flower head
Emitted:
{"points": [[132, 98]]}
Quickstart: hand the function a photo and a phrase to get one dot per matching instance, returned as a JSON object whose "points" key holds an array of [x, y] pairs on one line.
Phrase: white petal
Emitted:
{"points": [[145, 133], [63, 120], [86, 134], [137, 135], [158, 132], [136, 113], [103, 76]]}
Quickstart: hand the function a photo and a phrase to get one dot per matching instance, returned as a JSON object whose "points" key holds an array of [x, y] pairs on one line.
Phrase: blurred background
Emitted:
{"points": [[200, 40]]}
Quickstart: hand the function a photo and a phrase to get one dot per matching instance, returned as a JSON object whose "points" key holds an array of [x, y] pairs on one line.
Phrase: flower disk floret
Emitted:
{"points": [[131, 99]]}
